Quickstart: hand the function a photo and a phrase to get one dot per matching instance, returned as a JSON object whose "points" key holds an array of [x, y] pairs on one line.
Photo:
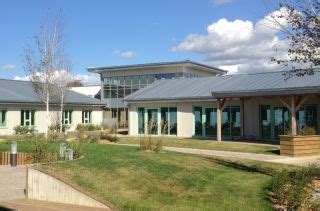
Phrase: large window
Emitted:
{"points": [[121, 86], [230, 121], [211, 121], [67, 117], [198, 121], [169, 121], [86, 116], [152, 116], [265, 118], [27, 117], [3, 116], [141, 127]]}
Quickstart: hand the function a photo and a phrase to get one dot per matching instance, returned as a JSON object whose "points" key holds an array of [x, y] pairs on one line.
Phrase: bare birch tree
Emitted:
{"points": [[63, 78], [43, 59]]}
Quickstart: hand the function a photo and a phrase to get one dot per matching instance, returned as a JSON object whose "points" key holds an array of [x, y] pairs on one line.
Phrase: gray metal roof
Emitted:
{"points": [[150, 65], [257, 84], [13, 91], [113, 103]]}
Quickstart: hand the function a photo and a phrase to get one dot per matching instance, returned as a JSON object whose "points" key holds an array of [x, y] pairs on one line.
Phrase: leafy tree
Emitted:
{"points": [[302, 28]]}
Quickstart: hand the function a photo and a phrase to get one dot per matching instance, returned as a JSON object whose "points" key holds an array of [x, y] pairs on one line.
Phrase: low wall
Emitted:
{"points": [[299, 145], [41, 186]]}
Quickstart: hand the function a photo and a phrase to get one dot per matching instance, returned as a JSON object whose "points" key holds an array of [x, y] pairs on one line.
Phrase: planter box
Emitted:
{"points": [[299, 145]]}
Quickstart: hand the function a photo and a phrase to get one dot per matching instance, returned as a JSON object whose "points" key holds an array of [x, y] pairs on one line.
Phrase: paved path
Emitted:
{"points": [[12, 182], [35, 205], [300, 161]]}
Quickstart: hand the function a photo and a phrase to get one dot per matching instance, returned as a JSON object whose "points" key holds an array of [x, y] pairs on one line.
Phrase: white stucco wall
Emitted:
{"points": [[14, 112]]}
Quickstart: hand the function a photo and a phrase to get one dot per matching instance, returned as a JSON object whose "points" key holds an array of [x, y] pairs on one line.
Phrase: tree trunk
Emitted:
{"points": [[47, 114], [61, 112]]}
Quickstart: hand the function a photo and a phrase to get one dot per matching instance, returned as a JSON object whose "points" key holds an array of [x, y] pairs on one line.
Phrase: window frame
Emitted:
{"points": [[86, 116], [69, 118], [3, 113], [31, 119]]}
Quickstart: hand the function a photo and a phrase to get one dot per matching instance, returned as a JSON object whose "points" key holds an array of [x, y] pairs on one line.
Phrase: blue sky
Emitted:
{"points": [[117, 32]]}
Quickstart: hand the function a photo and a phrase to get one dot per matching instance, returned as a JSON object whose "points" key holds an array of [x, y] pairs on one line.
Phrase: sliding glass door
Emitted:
{"points": [[152, 121]]}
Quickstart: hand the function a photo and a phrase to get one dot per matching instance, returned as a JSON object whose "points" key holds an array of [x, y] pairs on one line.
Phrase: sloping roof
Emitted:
{"points": [[91, 91], [113, 103], [13, 91], [151, 65], [257, 84]]}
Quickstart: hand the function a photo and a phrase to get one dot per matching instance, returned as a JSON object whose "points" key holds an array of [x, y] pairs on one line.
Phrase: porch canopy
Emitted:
{"points": [[292, 92]]}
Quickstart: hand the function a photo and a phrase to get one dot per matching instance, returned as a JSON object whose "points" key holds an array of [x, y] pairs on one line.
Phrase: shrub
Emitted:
{"points": [[293, 190], [77, 147], [87, 127], [159, 146], [56, 127], [45, 152], [307, 131], [111, 138], [94, 138], [22, 130], [147, 143]]}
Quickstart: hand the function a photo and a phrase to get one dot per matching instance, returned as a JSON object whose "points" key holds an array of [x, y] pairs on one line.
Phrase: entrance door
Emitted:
{"points": [[152, 121]]}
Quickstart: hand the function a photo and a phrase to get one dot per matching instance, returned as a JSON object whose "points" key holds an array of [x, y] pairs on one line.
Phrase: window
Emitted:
{"points": [[198, 121], [67, 117], [173, 121], [3, 118], [141, 120], [265, 121], [27, 117], [86, 116]]}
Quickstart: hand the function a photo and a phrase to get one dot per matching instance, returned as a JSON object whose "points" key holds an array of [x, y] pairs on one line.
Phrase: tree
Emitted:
{"points": [[61, 81], [302, 29], [43, 59], [75, 83]]}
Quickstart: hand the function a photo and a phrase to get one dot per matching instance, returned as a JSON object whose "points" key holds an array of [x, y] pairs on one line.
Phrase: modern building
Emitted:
{"points": [[118, 82], [247, 106], [21, 105]]}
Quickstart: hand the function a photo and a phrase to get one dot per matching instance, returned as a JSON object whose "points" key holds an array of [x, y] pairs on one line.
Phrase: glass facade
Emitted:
{"points": [[206, 125], [121, 86], [157, 121], [3, 118], [275, 121]]}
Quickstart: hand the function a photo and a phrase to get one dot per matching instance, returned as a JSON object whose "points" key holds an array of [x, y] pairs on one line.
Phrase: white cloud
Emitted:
{"points": [[8, 67], [219, 2], [86, 79], [239, 45], [125, 54]]}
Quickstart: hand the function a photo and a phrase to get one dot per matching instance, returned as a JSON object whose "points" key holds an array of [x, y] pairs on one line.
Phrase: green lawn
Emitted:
{"points": [[22, 146], [209, 144], [135, 180]]}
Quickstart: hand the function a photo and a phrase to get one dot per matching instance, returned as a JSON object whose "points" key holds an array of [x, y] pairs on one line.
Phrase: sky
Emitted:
{"points": [[229, 34]]}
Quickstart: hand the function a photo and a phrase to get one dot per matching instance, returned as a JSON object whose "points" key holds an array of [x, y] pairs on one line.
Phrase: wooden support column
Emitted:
{"points": [[221, 104], [296, 103], [293, 116], [219, 120], [241, 118]]}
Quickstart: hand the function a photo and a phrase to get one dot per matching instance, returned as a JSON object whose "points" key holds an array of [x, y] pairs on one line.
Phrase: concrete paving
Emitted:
{"points": [[36, 205], [297, 161], [12, 182]]}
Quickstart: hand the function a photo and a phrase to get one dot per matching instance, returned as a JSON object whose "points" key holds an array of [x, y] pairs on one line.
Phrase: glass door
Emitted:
{"points": [[152, 121], [211, 121], [281, 121]]}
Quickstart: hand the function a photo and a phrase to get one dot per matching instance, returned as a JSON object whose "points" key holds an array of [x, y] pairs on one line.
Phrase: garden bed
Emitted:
{"points": [[296, 146]]}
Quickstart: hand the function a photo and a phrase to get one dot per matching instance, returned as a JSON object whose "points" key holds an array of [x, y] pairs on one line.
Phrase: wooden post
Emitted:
{"points": [[218, 120], [293, 116], [242, 118], [221, 104], [296, 103]]}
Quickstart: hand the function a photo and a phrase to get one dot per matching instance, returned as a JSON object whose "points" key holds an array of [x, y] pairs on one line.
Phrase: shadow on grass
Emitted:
{"points": [[240, 166], [274, 151]]}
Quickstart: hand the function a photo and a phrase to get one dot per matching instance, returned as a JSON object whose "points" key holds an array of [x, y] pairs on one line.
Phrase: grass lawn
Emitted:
{"points": [[135, 180], [22, 147], [209, 144]]}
